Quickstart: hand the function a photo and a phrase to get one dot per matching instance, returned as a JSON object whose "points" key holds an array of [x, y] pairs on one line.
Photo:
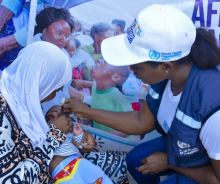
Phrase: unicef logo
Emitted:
{"points": [[154, 55]]}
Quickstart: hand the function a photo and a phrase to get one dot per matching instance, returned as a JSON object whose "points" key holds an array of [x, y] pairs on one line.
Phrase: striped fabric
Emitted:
{"points": [[152, 93], [187, 120], [67, 148]]}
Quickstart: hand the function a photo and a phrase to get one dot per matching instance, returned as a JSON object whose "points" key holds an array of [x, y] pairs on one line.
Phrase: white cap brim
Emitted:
{"points": [[115, 52]]}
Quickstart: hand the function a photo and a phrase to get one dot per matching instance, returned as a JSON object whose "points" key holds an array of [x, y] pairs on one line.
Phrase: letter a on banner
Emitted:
{"points": [[200, 18]]}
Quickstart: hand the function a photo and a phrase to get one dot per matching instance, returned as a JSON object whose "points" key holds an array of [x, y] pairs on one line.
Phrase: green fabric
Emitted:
{"points": [[112, 100], [86, 70]]}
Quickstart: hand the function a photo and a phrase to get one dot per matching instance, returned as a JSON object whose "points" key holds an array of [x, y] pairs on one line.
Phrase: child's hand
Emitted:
{"points": [[123, 92], [77, 129], [88, 142]]}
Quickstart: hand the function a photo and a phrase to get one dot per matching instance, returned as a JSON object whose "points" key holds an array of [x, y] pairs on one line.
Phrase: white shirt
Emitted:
{"points": [[84, 39], [210, 132], [131, 89], [67, 148]]}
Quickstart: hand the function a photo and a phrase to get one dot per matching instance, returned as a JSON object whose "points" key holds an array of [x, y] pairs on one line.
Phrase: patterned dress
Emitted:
{"points": [[9, 56], [8, 29], [20, 160]]}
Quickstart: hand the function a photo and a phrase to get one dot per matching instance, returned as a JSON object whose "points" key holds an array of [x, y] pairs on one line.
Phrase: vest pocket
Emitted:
{"points": [[182, 149], [184, 139], [186, 146]]}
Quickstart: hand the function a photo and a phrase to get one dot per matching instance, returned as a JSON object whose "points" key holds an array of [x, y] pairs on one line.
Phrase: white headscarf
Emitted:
{"points": [[38, 70]]}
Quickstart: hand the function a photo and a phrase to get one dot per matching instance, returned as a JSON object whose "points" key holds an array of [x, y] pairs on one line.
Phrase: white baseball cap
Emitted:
{"points": [[159, 33]]}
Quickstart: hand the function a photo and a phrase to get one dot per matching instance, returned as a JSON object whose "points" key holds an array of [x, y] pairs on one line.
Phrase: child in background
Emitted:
{"points": [[71, 49], [105, 95], [67, 165], [76, 71], [131, 89], [143, 90]]}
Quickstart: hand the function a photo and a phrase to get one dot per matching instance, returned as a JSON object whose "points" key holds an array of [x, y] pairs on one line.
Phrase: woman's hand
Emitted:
{"points": [[62, 123], [153, 164], [87, 142], [5, 16], [73, 105], [7, 43]]}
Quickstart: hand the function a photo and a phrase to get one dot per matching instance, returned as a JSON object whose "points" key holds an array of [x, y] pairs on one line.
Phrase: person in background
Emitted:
{"points": [[78, 44], [143, 91], [105, 95], [71, 47], [13, 21], [83, 39], [99, 32], [54, 26], [179, 62], [118, 26], [130, 89], [79, 68]]}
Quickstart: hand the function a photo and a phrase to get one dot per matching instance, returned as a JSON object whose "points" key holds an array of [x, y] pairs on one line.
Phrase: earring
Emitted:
{"points": [[167, 71]]}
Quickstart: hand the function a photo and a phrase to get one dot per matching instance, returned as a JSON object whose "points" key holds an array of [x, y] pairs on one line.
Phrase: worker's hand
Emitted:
{"points": [[5, 16], [74, 106], [153, 164]]}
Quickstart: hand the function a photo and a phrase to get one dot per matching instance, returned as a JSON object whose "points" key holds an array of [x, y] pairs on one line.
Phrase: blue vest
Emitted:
{"points": [[199, 100]]}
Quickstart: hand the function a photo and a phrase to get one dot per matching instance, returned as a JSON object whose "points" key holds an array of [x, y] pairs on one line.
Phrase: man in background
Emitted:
{"points": [[118, 26]]}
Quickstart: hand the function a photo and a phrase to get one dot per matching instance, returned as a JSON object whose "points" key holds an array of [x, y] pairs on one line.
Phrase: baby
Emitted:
{"points": [[71, 47], [68, 164]]}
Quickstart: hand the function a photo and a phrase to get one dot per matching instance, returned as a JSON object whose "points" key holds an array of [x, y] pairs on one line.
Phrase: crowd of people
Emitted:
{"points": [[117, 88], [98, 77]]}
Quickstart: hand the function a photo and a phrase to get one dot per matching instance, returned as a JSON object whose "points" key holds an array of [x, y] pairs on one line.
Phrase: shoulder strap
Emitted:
{"points": [[210, 114]]}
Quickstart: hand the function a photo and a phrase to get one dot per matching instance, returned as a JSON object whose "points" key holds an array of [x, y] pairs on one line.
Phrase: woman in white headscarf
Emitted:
{"points": [[27, 142]]}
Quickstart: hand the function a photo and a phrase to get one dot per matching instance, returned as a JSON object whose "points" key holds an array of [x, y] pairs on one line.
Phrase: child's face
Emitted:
{"points": [[101, 70], [71, 49], [53, 113]]}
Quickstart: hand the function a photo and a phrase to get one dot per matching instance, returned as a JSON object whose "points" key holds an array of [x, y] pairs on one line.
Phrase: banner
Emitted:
{"points": [[96, 20], [204, 13]]}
